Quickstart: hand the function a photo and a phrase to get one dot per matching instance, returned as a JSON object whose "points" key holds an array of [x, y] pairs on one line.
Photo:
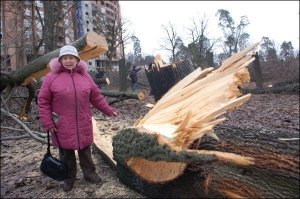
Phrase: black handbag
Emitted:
{"points": [[51, 166]]}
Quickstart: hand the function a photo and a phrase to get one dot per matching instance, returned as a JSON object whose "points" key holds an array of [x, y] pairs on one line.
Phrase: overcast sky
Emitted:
{"points": [[278, 20]]}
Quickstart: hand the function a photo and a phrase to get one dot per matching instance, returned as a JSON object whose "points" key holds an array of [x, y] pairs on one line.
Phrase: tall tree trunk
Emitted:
{"points": [[122, 75], [257, 71], [162, 78]]}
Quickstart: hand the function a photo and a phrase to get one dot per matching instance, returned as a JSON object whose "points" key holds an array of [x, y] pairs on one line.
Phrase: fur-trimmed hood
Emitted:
{"points": [[57, 67]]}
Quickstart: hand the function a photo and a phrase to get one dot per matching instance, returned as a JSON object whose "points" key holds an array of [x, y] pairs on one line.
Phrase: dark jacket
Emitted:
{"points": [[133, 74]]}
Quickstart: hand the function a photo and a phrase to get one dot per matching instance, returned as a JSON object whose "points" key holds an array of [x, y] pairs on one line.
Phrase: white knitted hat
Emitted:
{"points": [[68, 50]]}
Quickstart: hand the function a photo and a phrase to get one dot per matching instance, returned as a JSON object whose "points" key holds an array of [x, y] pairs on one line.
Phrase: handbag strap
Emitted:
{"points": [[60, 149]]}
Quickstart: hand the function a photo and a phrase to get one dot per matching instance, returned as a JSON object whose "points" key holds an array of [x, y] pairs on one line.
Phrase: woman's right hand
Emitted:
{"points": [[52, 130]]}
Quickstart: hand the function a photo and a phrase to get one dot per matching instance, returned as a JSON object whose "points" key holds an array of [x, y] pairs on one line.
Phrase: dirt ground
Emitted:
{"points": [[20, 159]]}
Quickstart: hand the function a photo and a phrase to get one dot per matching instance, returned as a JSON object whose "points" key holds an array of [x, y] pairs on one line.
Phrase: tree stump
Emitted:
{"points": [[162, 77]]}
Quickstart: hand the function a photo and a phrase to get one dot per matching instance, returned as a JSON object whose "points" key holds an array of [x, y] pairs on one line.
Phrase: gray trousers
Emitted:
{"points": [[86, 163]]}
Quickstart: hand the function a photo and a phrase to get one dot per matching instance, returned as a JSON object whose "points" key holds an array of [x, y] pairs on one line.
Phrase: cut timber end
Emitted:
{"points": [[148, 170], [96, 45], [141, 96], [107, 81]]}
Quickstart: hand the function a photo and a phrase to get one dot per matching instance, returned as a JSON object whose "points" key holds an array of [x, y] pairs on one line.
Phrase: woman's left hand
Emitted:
{"points": [[114, 114]]}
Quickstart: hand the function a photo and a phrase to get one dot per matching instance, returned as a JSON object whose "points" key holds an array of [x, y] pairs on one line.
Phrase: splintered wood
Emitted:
{"points": [[188, 110]]}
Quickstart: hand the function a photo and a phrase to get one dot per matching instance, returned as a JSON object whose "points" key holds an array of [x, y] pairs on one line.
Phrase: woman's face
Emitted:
{"points": [[69, 61]]}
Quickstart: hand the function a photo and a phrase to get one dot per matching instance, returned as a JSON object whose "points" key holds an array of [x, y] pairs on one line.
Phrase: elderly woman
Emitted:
{"points": [[67, 92]]}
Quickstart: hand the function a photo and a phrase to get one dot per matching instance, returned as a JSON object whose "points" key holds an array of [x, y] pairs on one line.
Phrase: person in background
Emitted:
{"points": [[134, 78], [68, 91], [100, 74]]}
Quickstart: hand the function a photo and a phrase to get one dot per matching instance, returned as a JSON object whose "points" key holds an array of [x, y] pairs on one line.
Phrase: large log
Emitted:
{"points": [[124, 94], [275, 173], [163, 76], [90, 46]]}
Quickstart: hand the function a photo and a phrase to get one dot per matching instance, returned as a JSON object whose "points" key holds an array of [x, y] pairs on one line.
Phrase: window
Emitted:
{"points": [[87, 22], [29, 45], [39, 25], [39, 3], [86, 5], [40, 35], [27, 12], [90, 63], [27, 34], [103, 10], [86, 13], [26, 23], [87, 30], [42, 14]]}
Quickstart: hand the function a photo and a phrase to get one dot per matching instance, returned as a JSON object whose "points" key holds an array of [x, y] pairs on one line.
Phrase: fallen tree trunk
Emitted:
{"points": [[163, 76], [275, 173], [124, 94], [103, 80], [288, 89], [155, 155], [89, 46]]}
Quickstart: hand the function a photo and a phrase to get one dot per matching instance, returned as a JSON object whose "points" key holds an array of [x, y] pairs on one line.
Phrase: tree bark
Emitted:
{"points": [[275, 173], [198, 58], [122, 75], [125, 95], [257, 71], [162, 78], [288, 89]]}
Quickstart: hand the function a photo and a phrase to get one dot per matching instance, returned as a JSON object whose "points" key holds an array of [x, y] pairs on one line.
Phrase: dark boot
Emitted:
{"points": [[94, 179], [67, 185]]}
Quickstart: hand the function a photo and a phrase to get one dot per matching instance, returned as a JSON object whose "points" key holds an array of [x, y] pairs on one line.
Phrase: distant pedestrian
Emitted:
{"points": [[150, 68], [100, 74], [134, 78]]}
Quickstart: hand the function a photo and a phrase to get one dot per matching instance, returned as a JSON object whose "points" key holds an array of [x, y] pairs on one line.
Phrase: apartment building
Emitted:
{"points": [[21, 29], [89, 16]]}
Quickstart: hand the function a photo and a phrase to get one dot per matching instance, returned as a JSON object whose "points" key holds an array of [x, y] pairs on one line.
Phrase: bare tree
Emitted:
{"points": [[172, 40], [114, 31], [54, 16], [198, 34]]}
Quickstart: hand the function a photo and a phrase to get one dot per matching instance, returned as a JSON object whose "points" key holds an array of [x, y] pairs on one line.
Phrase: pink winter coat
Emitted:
{"points": [[69, 94]]}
